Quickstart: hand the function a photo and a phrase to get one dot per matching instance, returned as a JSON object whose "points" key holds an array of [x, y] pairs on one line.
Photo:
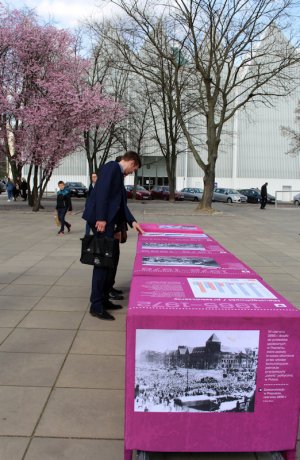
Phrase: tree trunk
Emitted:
{"points": [[30, 197], [171, 168], [16, 169], [209, 182], [35, 192], [41, 189]]}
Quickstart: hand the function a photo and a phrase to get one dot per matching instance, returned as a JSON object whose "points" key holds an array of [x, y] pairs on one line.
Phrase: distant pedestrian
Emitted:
{"points": [[63, 205], [17, 188], [24, 188], [264, 196], [10, 189], [94, 178]]}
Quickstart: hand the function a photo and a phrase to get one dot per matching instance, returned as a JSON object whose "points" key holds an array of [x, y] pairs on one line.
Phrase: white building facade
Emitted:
{"points": [[254, 152]]}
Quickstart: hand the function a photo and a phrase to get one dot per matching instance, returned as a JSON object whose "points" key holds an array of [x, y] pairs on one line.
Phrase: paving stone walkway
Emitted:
{"points": [[62, 371]]}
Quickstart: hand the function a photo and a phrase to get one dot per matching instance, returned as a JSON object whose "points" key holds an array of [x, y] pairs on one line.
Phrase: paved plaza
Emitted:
{"points": [[62, 371]]}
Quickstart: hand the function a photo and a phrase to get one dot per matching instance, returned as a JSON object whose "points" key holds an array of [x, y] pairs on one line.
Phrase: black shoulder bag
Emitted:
{"points": [[97, 251]]}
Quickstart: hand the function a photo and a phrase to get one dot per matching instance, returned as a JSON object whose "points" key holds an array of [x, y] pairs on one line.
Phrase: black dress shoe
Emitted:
{"points": [[114, 296], [103, 315], [116, 291], [111, 306]]}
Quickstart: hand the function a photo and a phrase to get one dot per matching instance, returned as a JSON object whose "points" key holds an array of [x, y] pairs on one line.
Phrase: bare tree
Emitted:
{"points": [[154, 76], [293, 135], [100, 142], [235, 53]]}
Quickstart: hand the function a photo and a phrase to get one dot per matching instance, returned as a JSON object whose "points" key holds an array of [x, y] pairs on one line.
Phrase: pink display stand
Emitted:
{"points": [[183, 263], [212, 365], [170, 228], [191, 245]]}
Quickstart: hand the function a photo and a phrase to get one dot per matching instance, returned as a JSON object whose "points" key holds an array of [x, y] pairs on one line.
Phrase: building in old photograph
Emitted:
{"points": [[210, 356]]}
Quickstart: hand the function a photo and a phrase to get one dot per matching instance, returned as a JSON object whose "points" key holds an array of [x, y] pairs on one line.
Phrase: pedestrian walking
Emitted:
{"points": [[10, 189], [264, 196], [105, 209], [63, 205]]}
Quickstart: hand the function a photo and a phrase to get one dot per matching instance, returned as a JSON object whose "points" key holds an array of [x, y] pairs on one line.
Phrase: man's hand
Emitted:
{"points": [[117, 236], [137, 228], [100, 226]]}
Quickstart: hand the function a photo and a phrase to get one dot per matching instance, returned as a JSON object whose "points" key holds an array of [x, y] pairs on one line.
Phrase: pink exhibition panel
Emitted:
{"points": [[183, 263], [170, 228], [212, 365], [200, 244]]}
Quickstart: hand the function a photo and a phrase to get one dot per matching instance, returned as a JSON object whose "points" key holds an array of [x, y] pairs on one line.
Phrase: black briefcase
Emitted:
{"points": [[97, 251]]}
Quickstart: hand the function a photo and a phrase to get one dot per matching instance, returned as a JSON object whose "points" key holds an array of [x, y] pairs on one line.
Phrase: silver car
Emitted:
{"points": [[228, 195], [296, 199], [193, 194]]}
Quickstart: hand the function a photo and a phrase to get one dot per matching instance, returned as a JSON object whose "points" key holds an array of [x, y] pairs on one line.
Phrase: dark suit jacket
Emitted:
{"points": [[107, 202]]}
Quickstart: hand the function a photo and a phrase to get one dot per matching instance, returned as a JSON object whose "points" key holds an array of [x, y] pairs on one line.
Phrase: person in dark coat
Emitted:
{"points": [[17, 189], [264, 196], [63, 205], [105, 210], [24, 188]]}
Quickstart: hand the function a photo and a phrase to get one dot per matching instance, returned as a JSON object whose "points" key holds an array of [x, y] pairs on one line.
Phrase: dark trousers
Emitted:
{"points": [[113, 271], [101, 281], [263, 202], [61, 214]]}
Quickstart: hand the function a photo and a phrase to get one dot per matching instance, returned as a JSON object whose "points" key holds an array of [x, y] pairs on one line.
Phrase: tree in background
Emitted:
{"points": [[45, 101], [153, 80], [293, 135], [100, 140], [236, 56], [113, 72]]}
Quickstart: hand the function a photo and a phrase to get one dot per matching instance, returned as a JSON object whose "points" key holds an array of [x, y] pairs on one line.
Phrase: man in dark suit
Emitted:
{"points": [[105, 209], [264, 196]]}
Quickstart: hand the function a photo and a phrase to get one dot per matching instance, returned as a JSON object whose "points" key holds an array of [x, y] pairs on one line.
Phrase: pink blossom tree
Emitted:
{"points": [[46, 103]]}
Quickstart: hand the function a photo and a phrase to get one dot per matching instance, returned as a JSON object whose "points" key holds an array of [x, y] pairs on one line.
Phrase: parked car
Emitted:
{"points": [[228, 195], [270, 198], [253, 195], [296, 199], [2, 187], [193, 194], [141, 192], [162, 192], [77, 189]]}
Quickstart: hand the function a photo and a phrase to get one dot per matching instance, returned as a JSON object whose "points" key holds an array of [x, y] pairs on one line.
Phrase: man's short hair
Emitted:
{"points": [[60, 182], [119, 158], [131, 155]]}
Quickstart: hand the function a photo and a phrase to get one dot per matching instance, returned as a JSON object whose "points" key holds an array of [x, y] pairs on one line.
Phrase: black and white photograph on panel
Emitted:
{"points": [[173, 246], [170, 261], [199, 371]]}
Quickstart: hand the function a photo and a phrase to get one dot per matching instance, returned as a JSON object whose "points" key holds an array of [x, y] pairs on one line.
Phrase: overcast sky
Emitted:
{"points": [[66, 13]]}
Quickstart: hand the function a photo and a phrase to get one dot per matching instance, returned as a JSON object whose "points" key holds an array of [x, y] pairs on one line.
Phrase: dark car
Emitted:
{"points": [[141, 192], [253, 195], [2, 187], [77, 189], [162, 192]]}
